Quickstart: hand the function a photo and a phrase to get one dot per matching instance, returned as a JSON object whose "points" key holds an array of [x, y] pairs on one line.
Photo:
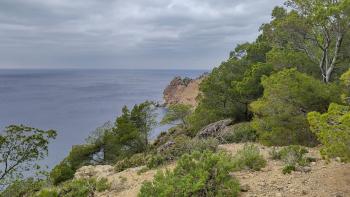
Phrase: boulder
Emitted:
{"points": [[93, 171], [165, 146], [215, 129]]}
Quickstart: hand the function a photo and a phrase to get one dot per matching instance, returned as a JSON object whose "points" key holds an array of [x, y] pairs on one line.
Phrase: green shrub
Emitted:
{"points": [[134, 161], [288, 169], [82, 187], [198, 174], [47, 192], [293, 155], [279, 116], [102, 185], [21, 188], [241, 132], [155, 161], [249, 158], [60, 173], [333, 131], [184, 144]]}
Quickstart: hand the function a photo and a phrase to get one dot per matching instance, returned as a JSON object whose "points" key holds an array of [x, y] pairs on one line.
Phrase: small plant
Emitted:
{"points": [[293, 155], [288, 169], [155, 161], [241, 132], [134, 161], [275, 155], [198, 174], [249, 158], [47, 192], [62, 172]]}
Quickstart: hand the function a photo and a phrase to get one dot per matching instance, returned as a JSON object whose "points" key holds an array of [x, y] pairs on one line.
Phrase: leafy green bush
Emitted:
{"points": [[241, 132], [47, 192], [184, 144], [293, 155], [333, 131], [280, 115], [249, 158], [75, 188], [61, 172], [136, 160], [21, 188], [155, 161], [288, 169], [198, 174]]}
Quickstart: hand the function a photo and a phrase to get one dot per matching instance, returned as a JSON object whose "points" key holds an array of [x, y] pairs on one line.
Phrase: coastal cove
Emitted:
{"points": [[75, 102]]}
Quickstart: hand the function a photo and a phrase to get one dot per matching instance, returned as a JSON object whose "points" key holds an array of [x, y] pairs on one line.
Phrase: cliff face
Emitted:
{"points": [[182, 91]]}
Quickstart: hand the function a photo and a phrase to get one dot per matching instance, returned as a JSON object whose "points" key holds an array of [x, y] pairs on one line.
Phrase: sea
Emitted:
{"points": [[76, 101]]}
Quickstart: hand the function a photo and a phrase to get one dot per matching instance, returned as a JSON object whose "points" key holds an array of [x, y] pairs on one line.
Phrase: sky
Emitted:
{"points": [[134, 34]]}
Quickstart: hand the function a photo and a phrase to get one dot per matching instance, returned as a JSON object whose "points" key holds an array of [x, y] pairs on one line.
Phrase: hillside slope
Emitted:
{"points": [[325, 178]]}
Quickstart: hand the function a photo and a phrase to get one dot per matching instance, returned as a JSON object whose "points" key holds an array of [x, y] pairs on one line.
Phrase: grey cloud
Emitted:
{"points": [[118, 34]]}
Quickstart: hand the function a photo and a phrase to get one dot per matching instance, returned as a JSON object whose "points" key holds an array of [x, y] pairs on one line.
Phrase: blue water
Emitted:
{"points": [[75, 102]]}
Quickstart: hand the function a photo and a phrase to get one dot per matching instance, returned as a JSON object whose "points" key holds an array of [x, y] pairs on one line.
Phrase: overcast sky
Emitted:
{"points": [[166, 34]]}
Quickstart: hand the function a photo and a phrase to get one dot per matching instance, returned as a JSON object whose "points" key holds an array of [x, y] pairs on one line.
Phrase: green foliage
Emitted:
{"points": [[345, 78], [79, 156], [184, 144], [134, 161], [302, 29], [249, 158], [178, 114], [61, 172], [280, 115], [155, 161], [198, 174], [20, 149], [130, 134], [46, 192], [333, 130], [249, 88], [241, 132], [288, 169], [75, 188], [216, 102], [20, 188], [293, 155]]}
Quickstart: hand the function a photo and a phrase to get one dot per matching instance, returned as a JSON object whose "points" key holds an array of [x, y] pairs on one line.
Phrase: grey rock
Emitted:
{"points": [[166, 146], [215, 129], [245, 188]]}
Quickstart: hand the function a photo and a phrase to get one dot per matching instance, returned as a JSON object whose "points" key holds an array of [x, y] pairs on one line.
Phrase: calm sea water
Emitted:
{"points": [[75, 102]]}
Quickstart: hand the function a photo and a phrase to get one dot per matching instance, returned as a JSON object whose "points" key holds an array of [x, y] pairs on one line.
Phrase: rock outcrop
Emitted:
{"points": [[182, 91], [215, 129]]}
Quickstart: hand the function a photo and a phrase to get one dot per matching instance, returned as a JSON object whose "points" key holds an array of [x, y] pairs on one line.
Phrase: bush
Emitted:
{"points": [[134, 161], [293, 155], [21, 188], [333, 131], [288, 169], [47, 193], [184, 144], [241, 132], [75, 188], [155, 161], [60, 173], [198, 174], [249, 158], [280, 115]]}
